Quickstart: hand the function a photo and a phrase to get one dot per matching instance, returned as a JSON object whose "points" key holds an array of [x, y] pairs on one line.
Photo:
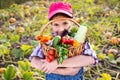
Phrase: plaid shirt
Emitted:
{"points": [[87, 51]]}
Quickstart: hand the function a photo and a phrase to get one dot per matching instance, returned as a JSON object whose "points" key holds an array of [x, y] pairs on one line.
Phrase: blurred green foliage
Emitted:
{"points": [[100, 16]]}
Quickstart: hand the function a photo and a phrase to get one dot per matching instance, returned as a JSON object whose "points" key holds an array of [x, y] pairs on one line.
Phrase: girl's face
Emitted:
{"points": [[60, 25]]}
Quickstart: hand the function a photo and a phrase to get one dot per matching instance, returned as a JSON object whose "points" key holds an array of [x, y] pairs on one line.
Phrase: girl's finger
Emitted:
{"points": [[47, 71], [42, 67]]}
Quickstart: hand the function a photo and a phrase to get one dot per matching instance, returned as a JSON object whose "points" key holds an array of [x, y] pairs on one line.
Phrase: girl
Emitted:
{"points": [[73, 67]]}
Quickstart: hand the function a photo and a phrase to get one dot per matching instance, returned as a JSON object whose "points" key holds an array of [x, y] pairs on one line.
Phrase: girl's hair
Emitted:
{"points": [[60, 14]]}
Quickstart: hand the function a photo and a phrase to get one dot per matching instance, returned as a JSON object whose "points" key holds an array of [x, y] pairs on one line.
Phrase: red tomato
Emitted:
{"points": [[71, 41], [51, 57], [67, 40], [51, 52], [48, 59], [64, 39]]}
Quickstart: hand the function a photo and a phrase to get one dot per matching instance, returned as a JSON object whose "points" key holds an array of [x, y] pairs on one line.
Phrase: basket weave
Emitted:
{"points": [[72, 51]]}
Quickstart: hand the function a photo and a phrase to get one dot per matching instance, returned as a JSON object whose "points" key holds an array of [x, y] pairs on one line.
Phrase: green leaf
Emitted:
{"points": [[4, 50], [65, 57], [27, 52], [3, 38], [60, 60], [73, 31], [24, 66], [59, 49], [25, 47], [114, 61], [15, 39], [118, 60], [84, 24], [17, 52], [34, 43], [9, 73], [7, 44], [90, 1], [28, 75], [65, 51], [36, 33], [111, 57]]}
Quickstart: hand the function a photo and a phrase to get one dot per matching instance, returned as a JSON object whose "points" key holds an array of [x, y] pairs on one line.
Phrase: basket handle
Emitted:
{"points": [[45, 26]]}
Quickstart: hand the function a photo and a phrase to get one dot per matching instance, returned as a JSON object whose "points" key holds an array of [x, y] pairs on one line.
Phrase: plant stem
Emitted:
{"points": [[90, 73], [117, 75], [39, 78], [98, 69]]}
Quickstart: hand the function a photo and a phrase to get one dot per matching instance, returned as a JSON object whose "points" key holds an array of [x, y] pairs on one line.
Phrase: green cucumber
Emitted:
{"points": [[81, 34], [56, 41]]}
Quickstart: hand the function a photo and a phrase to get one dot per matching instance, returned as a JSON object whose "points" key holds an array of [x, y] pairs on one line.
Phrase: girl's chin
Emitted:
{"points": [[63, 33]]}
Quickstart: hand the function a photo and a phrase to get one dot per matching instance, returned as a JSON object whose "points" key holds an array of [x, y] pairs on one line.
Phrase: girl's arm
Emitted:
{"points": [[37, 63], [67, 71], [78, 61]]}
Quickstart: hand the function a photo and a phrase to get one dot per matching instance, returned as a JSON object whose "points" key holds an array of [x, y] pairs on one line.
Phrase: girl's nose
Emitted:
{"points": [[61, 28]]}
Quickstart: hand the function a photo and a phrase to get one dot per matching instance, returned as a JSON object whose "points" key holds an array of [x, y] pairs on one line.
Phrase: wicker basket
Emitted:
{"points": [[72, 51]]}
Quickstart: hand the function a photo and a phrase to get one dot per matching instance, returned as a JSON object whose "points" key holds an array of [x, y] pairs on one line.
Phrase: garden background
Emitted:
{"points": [[21, 21]]}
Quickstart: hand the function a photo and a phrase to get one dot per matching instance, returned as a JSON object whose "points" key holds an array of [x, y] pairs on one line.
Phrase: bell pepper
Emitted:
{"points": [[75, 43]]}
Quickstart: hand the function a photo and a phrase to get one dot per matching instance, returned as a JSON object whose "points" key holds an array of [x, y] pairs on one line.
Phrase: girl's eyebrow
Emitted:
{"points": [[65, 22]]}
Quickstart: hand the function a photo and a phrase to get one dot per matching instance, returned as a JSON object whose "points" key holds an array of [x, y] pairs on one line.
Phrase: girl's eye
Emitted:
{"points": [[65, 23], [55, 24]]}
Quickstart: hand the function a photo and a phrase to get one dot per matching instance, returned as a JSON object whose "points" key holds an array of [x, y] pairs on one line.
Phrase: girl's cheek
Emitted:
{"points": [[67, 27], [54, 28]]}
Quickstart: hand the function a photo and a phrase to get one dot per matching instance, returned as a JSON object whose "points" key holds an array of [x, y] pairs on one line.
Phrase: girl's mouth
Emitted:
{"points": [[65, 32]]}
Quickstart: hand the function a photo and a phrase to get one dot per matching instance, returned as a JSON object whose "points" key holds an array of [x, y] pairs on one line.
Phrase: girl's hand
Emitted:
{"points": [[48, 67]]}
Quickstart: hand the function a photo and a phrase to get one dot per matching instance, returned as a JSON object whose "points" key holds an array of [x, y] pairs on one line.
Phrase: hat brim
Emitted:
{"points": [[59, 11]]}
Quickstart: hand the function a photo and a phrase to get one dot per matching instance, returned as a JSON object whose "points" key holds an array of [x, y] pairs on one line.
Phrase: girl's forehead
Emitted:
{"points": [[59, 16], [60, 21]]}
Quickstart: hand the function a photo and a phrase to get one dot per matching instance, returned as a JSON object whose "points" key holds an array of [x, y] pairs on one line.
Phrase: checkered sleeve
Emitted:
{"points": [[37, 52], [88, 51]]}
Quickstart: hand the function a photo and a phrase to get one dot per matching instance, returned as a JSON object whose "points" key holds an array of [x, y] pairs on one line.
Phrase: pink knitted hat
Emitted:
{"points": [[60, 7]]}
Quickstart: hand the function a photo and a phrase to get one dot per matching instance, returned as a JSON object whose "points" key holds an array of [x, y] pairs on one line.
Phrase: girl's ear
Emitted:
{"points": [[71, 23]]}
